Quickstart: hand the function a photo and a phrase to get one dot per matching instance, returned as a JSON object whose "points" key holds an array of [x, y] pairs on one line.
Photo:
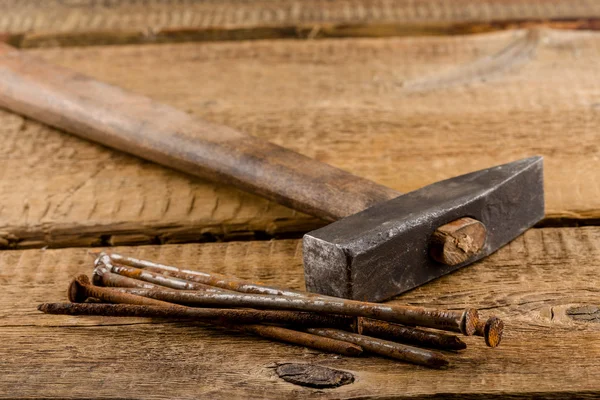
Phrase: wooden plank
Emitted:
{"points": [[530, 283], [18, 16], [34, 23], [403, 112]]}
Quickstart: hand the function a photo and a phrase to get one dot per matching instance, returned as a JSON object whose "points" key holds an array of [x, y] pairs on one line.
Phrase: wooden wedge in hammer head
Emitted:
{"points": [[382, 244]]}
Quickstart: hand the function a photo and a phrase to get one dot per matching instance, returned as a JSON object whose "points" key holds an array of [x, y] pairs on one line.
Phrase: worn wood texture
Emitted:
{"points": [[403, 112], [35, 23], [531, 284]]}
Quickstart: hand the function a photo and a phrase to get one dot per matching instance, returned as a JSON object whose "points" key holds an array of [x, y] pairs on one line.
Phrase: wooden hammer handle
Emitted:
{"points": [[138, 125]]}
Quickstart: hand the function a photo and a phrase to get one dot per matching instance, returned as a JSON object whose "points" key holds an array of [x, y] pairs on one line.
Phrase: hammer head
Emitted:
{"points": [[384, 250]]}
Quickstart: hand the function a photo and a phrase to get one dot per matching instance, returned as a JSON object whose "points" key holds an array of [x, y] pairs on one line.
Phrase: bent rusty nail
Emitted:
{"points": [[411, 335], [386, 348], [449, 320], [491, 330], [152, 277], [212, 316]]}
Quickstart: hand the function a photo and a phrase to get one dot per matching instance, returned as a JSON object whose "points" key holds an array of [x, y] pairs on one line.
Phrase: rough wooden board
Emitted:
{"points": [[403, 112], [34, 23], [529, 284]]}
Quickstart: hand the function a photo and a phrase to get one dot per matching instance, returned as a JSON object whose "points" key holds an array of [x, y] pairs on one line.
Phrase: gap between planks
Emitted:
{"points": [[78, 236], [301, 31]]}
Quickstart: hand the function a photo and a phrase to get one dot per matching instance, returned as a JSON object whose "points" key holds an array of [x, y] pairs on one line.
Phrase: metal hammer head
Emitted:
{"points": [[384, 250]]}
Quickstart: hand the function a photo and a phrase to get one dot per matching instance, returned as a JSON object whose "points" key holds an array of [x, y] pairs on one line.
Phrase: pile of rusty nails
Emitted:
{"points": [[129, 287]]}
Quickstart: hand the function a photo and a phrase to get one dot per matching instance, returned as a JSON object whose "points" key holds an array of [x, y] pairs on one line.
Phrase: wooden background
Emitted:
{"points": [[404, 93]]}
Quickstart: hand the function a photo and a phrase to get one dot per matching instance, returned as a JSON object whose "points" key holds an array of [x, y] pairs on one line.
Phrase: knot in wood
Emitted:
{"points": [[315, 376]]}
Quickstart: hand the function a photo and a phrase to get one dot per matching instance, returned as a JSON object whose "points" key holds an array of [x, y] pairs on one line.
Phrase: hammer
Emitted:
{"points": [[381, 243]]}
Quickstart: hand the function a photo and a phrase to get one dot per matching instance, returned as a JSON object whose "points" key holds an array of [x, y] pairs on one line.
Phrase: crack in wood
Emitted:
{"points": [[55, 236], [588, 313]]}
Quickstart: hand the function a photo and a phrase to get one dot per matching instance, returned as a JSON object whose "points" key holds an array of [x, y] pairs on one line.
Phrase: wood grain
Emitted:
{"points": [[402, 112], [35, 23], [531, 284]]}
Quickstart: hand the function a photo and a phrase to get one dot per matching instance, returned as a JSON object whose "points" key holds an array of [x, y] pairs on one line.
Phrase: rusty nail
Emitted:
{"points": [[152, 277], [405, 334], [81, 288], [174, 311], [491, 330], [386, 348], [456, 321], [103, 277], [211, 279], [302, 338], [212, 316]]}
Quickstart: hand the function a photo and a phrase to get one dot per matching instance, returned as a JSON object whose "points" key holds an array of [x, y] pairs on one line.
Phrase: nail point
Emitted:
{"points": [[439, 361]]}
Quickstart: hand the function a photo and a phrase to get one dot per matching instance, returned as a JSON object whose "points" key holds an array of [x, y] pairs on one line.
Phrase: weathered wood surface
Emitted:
{"points": [[404, 112], [531, 284], [35, 23]]}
